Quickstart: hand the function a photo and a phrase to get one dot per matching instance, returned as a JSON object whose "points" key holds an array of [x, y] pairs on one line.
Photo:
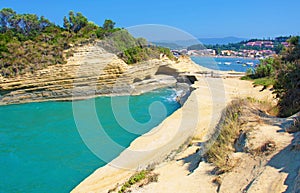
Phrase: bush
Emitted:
{"points": [[287, 89], [287, 84], [264, 69]]}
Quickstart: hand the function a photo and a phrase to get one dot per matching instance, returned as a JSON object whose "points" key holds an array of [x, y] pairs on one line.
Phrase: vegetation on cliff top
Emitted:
{"points": [[283, 72], [29, 42]]}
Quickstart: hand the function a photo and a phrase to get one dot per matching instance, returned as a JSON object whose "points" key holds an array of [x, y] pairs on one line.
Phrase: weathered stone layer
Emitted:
{"points": [[91, 72]]}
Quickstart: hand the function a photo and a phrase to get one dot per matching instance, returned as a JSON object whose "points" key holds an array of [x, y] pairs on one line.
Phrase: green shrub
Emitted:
{"points": [[134, 179], [264, 69]]}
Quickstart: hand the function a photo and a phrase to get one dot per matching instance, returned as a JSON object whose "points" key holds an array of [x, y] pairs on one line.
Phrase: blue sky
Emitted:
{"points": [[201, 18]]}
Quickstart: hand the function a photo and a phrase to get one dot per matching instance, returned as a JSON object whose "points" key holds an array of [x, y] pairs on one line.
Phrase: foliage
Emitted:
{"points": [[287, 85], [265, 68], [141, 53], [29, 42], [134, 179], [266, 82], [264, 73], [166, 52], [284, 73], [287, 88], [108, 25]]}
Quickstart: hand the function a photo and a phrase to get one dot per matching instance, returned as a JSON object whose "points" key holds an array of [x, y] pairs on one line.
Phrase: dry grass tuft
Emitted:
{"points": [[235, 120], [220, 151], [264, 106]]}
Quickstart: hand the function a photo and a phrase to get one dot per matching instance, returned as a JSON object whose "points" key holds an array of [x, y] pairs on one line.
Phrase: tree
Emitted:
{"points": [[292, 53], [6, 15], [44, 23], [294, 41], [67, 24], [30, 24], [108, 25], [76, 22]]}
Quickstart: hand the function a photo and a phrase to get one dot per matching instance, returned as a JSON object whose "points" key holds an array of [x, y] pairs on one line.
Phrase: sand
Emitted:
{"points": [[198, 116]]}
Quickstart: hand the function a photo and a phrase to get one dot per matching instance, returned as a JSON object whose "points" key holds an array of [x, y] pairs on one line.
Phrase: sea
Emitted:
{"points": [[42, 148], [226, 63]]}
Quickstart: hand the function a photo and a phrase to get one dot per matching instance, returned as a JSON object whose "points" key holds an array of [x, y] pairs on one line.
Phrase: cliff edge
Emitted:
{"points": [[91, 72]]}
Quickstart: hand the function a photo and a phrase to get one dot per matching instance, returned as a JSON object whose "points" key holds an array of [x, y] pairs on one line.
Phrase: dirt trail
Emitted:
{"points": [[273, 172]]}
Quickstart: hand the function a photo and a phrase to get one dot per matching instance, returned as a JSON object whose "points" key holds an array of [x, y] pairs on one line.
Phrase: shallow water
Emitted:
{"points": [[41, 149]]}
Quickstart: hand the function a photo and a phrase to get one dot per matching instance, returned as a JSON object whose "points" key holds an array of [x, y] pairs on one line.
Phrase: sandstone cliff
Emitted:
{"points": [[91, 72]]}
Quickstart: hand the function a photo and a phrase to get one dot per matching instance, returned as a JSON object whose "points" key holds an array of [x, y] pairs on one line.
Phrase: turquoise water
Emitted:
{"points": [[236, 64], [41, 149]]}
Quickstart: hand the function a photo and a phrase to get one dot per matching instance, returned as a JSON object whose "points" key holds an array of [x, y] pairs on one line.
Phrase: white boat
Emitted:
{"points": [[227, 63], [250, 63]]}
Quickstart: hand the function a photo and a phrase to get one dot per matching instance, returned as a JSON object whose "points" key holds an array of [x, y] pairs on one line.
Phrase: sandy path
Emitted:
{"points": [[213, 95], [276, 172]]}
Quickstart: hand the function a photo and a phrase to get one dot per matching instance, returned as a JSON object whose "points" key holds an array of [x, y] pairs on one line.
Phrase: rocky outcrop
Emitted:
{"points": [[92, 72]]}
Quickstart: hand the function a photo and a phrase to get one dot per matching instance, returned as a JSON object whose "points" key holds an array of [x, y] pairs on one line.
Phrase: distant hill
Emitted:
{"points": [[172, 46], [180, 44], [221, 41]]}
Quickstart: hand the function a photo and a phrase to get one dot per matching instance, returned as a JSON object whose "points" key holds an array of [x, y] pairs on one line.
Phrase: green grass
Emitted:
{"points": [[266, 81], [246, 78]]}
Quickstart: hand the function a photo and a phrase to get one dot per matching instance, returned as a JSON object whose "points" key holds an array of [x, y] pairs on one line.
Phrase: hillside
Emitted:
{"points": [[234, 44], [221, 41], [29, 43]]}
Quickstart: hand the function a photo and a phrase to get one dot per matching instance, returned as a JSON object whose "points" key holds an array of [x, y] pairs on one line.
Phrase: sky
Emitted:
{"points": [[201, 18]]}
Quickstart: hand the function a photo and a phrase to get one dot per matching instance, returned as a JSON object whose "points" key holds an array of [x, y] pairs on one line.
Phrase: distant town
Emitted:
{"points": [[255, 48]]}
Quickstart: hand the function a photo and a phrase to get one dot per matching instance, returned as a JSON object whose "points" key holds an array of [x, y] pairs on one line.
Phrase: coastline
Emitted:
{"points": [[149, 149], [78, 79], [154, 146], [197, 118], [237, 57]]}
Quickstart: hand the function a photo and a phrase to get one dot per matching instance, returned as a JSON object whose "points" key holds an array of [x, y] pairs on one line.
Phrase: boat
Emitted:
{"points": [[244, 64], [250, 63], [219, 62], [227, 63], [239, 62]]}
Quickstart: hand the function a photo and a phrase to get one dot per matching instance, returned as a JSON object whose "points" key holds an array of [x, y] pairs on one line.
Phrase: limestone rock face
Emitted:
{"points": [[90, 72]]}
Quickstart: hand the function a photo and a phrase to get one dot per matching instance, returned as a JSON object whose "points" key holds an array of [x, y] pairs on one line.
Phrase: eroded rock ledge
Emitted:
{"points": [[94, 72]]}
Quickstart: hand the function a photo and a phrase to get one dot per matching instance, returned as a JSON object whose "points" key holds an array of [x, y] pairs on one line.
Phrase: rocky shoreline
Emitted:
{"points": [[93, 72]]}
